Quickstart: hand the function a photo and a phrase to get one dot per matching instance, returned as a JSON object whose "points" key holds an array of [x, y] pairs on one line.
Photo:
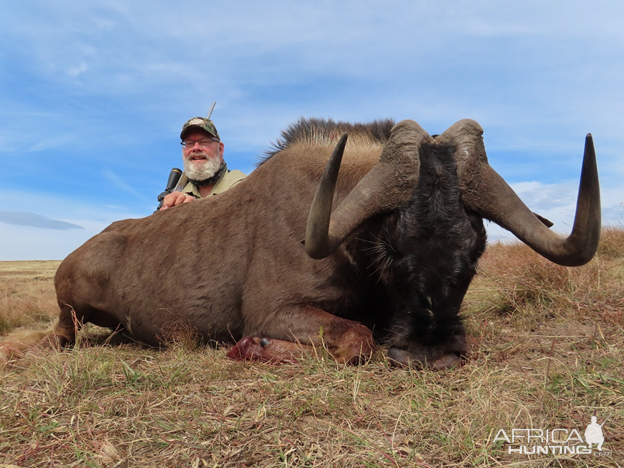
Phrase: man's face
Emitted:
{"points": [[201, 162]]}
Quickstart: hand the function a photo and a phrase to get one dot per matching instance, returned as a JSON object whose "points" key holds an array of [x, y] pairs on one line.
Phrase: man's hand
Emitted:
{"points": [[175, 199]]}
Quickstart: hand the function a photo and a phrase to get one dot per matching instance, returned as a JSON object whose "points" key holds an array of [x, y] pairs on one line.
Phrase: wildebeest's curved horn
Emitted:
{"points": [[485, 192], [389, 184]]}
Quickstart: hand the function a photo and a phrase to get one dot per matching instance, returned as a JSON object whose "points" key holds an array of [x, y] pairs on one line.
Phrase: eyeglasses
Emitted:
{"points": [[204, 142]]}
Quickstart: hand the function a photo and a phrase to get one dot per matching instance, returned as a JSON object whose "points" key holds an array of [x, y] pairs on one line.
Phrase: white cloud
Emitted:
{"points": [[77, 69], [20, 218], [121, 184], [28, 243], [557, 202], [49, 143]]}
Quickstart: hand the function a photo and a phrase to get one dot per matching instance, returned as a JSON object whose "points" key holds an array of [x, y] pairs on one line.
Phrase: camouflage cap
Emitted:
{"points": [[200, 122]]}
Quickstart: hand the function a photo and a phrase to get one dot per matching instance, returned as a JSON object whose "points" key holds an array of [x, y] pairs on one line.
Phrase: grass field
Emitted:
{"points": [[547, 351]]}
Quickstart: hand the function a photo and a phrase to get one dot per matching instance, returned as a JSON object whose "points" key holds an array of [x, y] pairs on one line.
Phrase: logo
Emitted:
{"points": [[593, 433], [554, 441]]}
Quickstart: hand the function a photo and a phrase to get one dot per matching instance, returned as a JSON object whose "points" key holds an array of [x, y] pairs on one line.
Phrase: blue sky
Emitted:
{"points": [[93, 94]]}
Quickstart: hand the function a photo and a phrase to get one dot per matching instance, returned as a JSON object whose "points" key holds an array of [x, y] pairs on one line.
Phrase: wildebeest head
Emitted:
{"points": [[416, 220]]}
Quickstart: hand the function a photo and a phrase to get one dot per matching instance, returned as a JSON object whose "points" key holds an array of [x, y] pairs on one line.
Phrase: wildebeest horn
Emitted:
{"points": [[389, 184], [485, 192]]}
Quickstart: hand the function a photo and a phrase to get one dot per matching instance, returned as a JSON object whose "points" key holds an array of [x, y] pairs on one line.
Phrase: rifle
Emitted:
{"points": [[211, 109], [603, 423], [172, 183]]}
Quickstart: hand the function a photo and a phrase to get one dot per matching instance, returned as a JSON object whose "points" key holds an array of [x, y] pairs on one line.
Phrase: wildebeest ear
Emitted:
{"points": [[546, 222], [388, 185]]}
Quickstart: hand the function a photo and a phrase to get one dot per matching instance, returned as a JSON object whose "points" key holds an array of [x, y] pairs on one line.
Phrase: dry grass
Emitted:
{"points": [[548, 346], [27, 295]]}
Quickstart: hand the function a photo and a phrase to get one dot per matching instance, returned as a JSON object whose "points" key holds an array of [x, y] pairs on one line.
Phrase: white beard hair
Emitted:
{"points": [[202, 171]]}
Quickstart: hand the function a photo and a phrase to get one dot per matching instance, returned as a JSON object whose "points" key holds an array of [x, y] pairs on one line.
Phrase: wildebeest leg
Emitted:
{"points": [[62, 333], [296, 331], [71, 320], [268, 350], [21, 341], [66, 326]]}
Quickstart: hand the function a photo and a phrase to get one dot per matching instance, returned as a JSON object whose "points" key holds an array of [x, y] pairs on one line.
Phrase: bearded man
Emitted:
{"points": [[202, 154]]}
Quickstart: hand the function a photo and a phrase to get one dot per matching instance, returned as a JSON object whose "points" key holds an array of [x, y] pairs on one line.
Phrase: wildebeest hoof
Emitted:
{"points": [[403, 357], [264, 342]]}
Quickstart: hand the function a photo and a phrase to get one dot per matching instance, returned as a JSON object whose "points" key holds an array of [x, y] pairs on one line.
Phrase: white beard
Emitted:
{"points": [[201, 170]]}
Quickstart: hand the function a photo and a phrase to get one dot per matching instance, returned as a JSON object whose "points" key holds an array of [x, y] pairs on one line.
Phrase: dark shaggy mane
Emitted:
{"points": [[319, 131]]}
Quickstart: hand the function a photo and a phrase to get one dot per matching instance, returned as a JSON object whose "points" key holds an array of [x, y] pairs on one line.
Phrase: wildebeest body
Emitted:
{"points": [[218, 264], [395, 250]]}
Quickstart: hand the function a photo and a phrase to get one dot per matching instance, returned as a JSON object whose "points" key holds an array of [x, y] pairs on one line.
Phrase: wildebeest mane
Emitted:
{"points": [[315, 131]]}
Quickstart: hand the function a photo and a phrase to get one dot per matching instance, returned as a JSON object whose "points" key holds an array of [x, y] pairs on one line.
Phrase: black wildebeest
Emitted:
{"points": [[391, 245]]}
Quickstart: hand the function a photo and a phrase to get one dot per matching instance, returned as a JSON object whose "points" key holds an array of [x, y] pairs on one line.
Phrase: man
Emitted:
{"points": [[202, 154]]}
